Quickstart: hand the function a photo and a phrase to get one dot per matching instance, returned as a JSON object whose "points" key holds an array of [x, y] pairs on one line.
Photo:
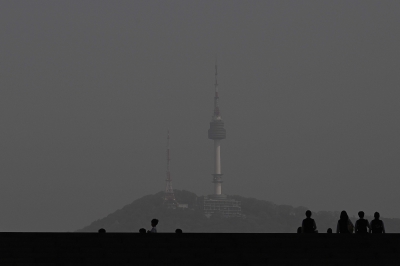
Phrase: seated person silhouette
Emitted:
{"points": [[308, 225], [329, 231], [142, 231], [178, 231], [154, 223], [344, 225], [377, 226], [362, 225]]}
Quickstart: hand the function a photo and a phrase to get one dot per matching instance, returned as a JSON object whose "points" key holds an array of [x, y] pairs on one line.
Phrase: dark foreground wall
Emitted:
{"points": [[197, 249]]}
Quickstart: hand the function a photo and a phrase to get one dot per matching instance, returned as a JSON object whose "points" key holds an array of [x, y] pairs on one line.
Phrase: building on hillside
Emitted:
{"points": [[226, 208]]}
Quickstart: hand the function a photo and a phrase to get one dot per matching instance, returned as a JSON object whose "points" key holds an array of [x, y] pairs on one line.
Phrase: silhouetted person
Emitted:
{"points": [[329, 231], [377, 226], [142, 231], [178, 231], [308, 225], [154, 223], [344, 225], [299, 230], [102, 230], [362, 225]]}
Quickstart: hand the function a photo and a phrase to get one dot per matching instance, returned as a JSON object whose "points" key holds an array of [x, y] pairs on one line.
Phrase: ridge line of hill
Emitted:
{"points": [[260, 216]]}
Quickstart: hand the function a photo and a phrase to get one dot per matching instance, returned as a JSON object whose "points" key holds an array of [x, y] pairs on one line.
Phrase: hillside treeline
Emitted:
{"points": [[259, 217]]}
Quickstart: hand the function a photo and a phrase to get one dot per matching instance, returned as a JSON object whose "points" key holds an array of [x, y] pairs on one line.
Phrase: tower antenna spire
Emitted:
{"points": [[217, 114], [216, 74], [168, 159]]}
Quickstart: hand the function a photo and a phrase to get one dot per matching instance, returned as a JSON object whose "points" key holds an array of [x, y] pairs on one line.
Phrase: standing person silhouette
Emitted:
{"points": [[344, 225], [154, 223], [362, 224], [308, 225], [377, 226]]}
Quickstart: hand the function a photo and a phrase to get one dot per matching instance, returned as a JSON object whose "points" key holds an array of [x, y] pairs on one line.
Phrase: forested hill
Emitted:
{"points": [[260, 217]]}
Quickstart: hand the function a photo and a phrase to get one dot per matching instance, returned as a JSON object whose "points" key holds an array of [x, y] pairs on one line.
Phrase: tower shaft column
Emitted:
{"points": [[217, 167], [217, 150]]}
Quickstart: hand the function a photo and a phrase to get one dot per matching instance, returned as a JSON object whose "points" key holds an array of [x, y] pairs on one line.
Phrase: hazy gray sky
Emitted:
{"points": [[309, 96]]}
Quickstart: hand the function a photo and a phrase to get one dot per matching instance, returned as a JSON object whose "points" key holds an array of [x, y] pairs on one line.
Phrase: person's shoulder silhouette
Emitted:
{"points": [[344, 226], [154, 223], [377, 225], [362, 225], [308, 225]]}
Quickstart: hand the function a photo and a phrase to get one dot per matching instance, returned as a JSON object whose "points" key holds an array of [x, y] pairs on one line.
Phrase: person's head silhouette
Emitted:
{"points": [[142, 231], [329, 231], [344, 216], [154, 222], [102, 230], [376, 215], [179, 231], [361, 214], [299, 230], [308, 213]]}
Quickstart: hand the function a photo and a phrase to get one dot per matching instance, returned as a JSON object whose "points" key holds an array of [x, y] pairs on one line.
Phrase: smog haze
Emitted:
{"points": [[309, 94]]}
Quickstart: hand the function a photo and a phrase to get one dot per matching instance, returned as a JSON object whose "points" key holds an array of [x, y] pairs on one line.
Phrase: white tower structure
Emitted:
{"points": [[218, 203], [217, 133]]}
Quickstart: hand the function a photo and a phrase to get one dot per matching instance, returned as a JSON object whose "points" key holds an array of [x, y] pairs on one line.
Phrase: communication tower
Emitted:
{"points": [[218, 202], [169, 197]]}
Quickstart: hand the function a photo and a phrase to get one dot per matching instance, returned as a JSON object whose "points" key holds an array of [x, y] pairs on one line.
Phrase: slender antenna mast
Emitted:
{"points": [[169, 197], [216, 115], [168, 159]]}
